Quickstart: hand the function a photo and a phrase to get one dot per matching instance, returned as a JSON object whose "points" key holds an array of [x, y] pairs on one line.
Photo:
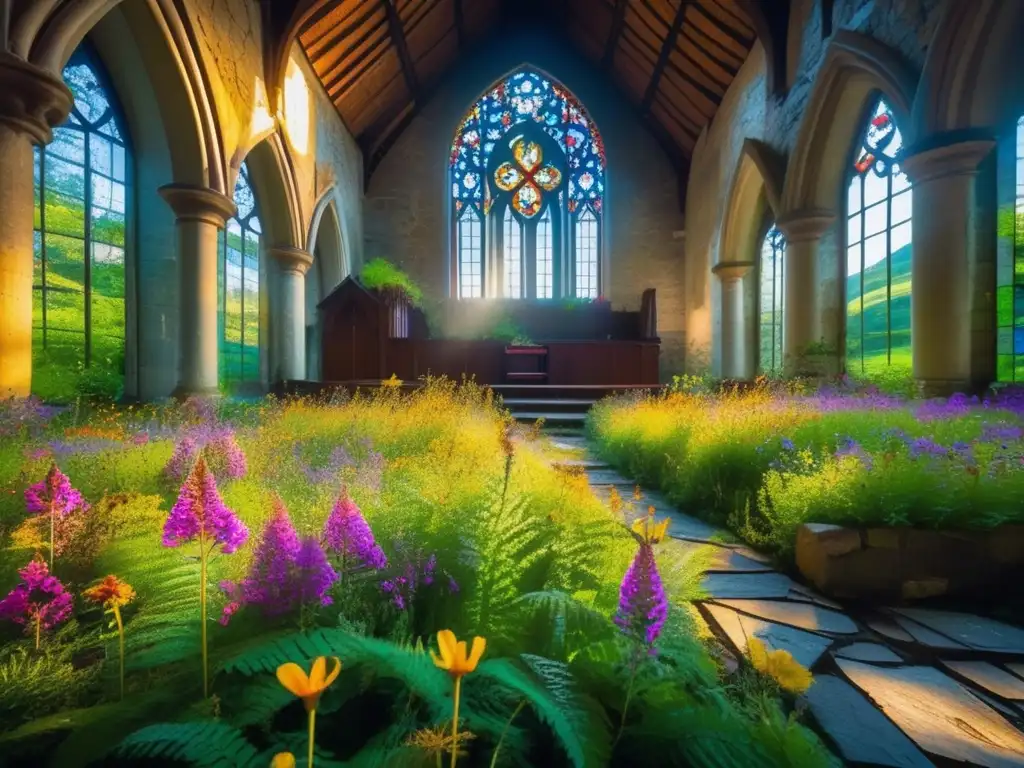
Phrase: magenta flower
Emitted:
{"points": [[285, 571], [181, 460], [313, 574], [53, 495], [225, 456], [200, 513], [40, 601], [643, 606], [347, 534]]}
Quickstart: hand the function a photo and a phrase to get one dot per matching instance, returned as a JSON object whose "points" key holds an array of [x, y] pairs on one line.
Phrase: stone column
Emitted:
{"points": [[32, 101], [942, 256], [200, 213], [291, 315], [801, 314], [734, 353]]}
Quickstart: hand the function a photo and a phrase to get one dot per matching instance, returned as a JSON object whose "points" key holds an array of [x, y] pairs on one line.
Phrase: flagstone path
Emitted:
{"points": [[894, 686]]}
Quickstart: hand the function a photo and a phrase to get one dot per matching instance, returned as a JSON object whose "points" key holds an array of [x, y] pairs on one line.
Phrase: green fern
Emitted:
{"points": [[549, 689], [558, 624], [209, 743]]}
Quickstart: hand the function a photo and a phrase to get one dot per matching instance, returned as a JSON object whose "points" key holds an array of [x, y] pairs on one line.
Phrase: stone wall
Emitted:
{"points": [[407, 205], [748, 111]]}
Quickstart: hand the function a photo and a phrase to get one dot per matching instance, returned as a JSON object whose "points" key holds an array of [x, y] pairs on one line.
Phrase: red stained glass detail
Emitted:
{"points": [[862, 165]]}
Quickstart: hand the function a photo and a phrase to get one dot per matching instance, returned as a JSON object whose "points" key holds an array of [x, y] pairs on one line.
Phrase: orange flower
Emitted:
{"points": [[453, 658], [292, 677], [111, 592]]}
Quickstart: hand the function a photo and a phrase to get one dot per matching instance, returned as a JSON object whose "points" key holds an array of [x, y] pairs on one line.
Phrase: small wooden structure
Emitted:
{"points": [[369, 335]]}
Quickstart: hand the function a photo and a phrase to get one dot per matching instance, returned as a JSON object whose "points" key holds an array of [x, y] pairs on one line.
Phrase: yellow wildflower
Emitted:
{"points": [[283, 760], [111, 592], [652, 532], [780, 666]]}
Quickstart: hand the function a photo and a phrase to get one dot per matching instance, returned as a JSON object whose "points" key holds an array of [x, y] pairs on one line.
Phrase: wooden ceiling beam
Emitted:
{"points": [[770, 19], [666, 52], [398, 37], [618, 22], [460, 24]]}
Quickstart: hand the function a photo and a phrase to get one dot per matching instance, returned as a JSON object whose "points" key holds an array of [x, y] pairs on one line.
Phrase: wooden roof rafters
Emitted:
{"points": [[381, 60]]}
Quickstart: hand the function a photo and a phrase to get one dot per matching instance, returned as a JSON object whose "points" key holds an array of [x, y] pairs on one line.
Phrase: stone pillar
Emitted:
{"points": [[734, 353], [801, 314], [32, 101], [291, 315], [942, 257], [200, 213]]}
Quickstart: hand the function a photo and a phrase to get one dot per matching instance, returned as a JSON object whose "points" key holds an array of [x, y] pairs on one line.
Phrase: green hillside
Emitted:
{"points": [[874, 340]]}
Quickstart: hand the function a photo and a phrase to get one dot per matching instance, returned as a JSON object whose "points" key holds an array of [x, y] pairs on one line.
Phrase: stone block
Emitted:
{"points": [[883, 538]]}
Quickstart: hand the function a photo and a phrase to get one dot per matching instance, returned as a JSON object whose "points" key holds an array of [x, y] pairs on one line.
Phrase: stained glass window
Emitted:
{"points": [[81, 194], [530, 145], [1010, 278], [773, 255], [586, 255], [239, 284], [512, 247], [878, 239]]}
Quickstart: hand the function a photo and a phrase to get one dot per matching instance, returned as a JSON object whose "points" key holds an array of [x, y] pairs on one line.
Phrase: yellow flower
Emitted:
{"points": [[780, 666], [283, 760], [651, 531], [393, 383], [111, 592], [453, 657], [294, 679]]}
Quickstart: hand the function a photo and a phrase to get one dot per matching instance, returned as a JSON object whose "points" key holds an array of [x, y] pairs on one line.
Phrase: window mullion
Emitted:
{"points": [[87, 222]]}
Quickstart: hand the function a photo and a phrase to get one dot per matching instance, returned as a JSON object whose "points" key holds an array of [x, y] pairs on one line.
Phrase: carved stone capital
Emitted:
{"points": [[291, 259], [806, 225], [32, 100], [732, 270], [959, 159], [191, 203]]}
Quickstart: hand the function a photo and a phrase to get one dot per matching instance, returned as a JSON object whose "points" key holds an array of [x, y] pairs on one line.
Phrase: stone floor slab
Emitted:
{"points": [[805, 616], [990, 678], [925, 636], [803, 594], [874, 653], [847, 717], [730, 561], [889, 629], [939, 714], [806, 648], [746, 585], [970, 630], [606, 477], [582, 463]]}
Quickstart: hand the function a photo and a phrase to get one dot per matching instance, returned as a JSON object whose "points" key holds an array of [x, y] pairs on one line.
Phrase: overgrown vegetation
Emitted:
{"points": [[380, 274], [479, 534], [765, 460]]}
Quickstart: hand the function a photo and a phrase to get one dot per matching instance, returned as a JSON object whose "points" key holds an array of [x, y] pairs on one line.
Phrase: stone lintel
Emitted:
{"points": [[192, 203], [806, 225], [732, 270], [960, 159], [291, 259], [32, 100]]}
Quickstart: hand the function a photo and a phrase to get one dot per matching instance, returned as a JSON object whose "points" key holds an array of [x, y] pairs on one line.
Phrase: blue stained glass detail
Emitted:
{"points": [[526, 96], [1018, 338]]}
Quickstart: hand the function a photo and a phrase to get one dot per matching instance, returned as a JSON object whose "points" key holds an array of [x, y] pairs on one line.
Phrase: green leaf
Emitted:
{"points": [[207, 743]]}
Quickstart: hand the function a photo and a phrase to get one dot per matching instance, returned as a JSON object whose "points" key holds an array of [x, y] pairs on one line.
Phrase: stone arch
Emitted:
{"points": [[48, 33], [967, 84], [756, 190], [273, 179], [326, 242], [855, 68]]}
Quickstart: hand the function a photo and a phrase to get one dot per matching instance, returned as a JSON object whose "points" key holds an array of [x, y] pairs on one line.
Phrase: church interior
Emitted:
{"points": [[511, 382]]}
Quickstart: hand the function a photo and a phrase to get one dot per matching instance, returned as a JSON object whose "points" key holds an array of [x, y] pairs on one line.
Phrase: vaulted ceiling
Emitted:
{"points": [[673, 60]]}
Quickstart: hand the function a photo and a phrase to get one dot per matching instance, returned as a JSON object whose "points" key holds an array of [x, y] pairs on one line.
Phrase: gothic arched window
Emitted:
{"points": [[527, 183], [773, 259], [878, 243], [1010, 271], [238, 276], [81, 200]]}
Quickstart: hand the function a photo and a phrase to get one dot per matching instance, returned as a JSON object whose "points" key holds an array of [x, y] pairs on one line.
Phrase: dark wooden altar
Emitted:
{"points": [[372, 335]]}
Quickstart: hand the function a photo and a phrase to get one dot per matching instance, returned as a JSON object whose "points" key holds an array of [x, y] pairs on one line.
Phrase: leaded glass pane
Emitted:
{"points": [[470, 250], [773, 252], [878, 237], [512, 242], [545, 257], [586, 255], [1010, 279]]}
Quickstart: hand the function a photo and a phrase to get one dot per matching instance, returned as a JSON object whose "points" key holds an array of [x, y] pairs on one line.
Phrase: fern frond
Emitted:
{"points": [[209, 743], [558, 624], [548, 688]]}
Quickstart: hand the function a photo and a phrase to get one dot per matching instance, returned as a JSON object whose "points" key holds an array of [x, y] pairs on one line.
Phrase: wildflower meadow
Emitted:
{"points": [[398, 579], [763, 460]]}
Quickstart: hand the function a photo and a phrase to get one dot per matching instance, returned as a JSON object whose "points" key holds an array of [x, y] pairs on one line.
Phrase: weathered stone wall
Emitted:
{"points": [[407, 203], [747, 111]]}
